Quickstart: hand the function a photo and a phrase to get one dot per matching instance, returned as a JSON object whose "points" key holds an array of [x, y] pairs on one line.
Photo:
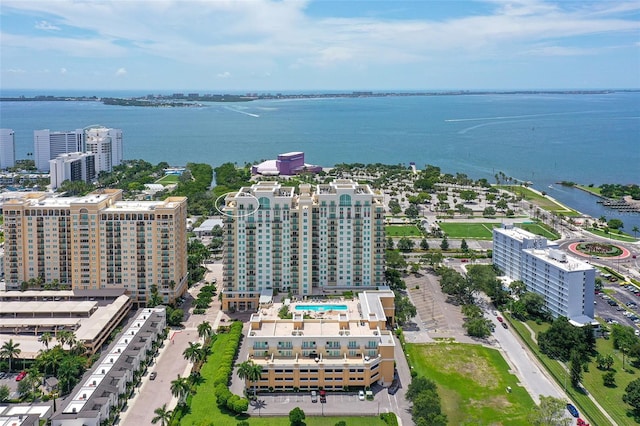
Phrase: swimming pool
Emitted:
{"points": [[323, 307]]}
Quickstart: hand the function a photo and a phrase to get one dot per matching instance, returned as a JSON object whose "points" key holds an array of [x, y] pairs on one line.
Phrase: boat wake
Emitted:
{"points": [[455, 120], [242, 112]]}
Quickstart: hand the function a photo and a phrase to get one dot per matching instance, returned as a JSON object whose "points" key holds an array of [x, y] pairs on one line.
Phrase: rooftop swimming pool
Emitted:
{"points": [[321, 308]]}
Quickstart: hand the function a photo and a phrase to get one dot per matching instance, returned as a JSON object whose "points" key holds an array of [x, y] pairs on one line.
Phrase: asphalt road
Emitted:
{"points": [[533, 377]]}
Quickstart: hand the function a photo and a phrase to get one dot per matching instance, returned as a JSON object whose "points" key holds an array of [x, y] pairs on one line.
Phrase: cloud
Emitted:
{"points": [[120, 72], [63, 71], [16, 71], [285, 37], [46, 26]]}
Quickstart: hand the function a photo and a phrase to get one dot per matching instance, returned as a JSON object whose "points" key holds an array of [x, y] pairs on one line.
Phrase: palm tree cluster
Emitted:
{"points": [[251, 372]]}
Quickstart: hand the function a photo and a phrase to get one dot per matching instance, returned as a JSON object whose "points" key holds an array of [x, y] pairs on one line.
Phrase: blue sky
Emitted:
{"points": [[259, 45]]}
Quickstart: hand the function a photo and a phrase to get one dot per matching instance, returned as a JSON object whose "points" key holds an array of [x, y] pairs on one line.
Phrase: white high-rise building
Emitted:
{"points": [[7, 148], [48, 145], [566, 282], [74, 166], [106, 144]]}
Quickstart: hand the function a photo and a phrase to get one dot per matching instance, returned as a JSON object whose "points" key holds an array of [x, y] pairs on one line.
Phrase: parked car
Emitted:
{"points": [[21, 375], [504, 325], [153, 375], [500, 319], [314, 396], [323, 396], [573, 410], [361, 395]]}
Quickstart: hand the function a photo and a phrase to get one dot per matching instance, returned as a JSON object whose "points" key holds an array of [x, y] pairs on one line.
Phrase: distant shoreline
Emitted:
{"points": [[192, 99]]}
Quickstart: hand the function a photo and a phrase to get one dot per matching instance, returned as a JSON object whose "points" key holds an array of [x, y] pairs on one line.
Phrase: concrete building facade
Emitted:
{"points": [[566, 283], [98, 241], [325, 239], [7, 148], [75, 166], [106, 145], [48, 145], [325, 345]]}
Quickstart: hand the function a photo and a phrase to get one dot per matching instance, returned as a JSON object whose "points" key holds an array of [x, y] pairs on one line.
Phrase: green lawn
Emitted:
{"points": [[593, 189], [539, 229], [472, 382], [168, 179], [611, 398], [586, 407], [474, 230], [545, 203], [402, 231], [612, 235], [205, 411]]}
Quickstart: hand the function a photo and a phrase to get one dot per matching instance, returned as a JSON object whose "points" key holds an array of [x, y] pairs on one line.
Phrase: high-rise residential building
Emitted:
{"points": [[323, 239], [48, 145], [98, 241], [7, 148], [566, 282], [106, 144], [75, 166]]}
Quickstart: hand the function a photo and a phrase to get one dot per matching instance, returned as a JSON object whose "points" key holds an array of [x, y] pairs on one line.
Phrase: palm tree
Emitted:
{"points": [[251, 372], [46, 338], [66, 337], [10, 351], [205, 331], [162, 415], [180, 388], [193, 353], [635, 231]]}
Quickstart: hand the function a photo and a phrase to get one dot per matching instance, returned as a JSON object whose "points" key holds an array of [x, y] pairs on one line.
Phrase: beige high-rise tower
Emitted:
{"points": [[98, 241]]}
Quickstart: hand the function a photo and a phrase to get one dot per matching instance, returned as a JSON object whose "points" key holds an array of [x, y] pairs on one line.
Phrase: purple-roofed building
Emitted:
{"points": [[287, 164]]}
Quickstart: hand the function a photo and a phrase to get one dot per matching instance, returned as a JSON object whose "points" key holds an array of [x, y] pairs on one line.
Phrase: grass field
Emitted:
{"points": [[402, 231], [592, 189], [472, 382], [473, 230], [168, 179], [538, 229], [545, 203], [613, 236], [586, 407], [205, 411]]}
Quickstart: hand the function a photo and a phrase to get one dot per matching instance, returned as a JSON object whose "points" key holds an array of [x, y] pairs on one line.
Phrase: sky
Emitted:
{"points": [[243, 46]]}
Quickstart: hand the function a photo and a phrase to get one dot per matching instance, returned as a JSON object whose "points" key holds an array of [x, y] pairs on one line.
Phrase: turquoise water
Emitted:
{"points": [[322, 307], [541, 138]]}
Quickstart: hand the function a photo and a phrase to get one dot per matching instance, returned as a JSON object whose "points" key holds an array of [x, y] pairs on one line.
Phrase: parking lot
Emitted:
{"points": [[619, 308], [337, 403], [9, 379]]}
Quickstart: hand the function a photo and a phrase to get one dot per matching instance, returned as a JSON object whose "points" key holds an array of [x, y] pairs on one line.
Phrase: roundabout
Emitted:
{"points": [[598, 249]]}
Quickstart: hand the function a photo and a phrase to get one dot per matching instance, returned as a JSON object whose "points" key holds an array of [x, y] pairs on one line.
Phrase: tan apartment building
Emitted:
{"points": [[329, 345], [98, 241], [325, 238]]}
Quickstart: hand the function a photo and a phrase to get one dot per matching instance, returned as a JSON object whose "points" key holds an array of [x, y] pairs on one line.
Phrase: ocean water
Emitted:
{"points": [[591, 138]]}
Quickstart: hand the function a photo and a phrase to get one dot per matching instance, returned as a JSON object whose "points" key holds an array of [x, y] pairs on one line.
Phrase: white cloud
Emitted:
{"points": [[46, 26], [63, 71], [179, 36], [120, 72], [16, 71]]}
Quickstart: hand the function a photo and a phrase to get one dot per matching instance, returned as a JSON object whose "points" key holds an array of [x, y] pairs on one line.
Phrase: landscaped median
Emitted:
{"points": [[561, 376]]}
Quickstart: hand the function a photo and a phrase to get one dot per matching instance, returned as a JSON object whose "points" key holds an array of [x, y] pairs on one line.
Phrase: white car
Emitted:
{"points": [[361, 395]]}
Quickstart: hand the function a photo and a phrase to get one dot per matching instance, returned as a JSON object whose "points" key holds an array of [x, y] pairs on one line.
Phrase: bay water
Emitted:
{"points": [[542, 138]]}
